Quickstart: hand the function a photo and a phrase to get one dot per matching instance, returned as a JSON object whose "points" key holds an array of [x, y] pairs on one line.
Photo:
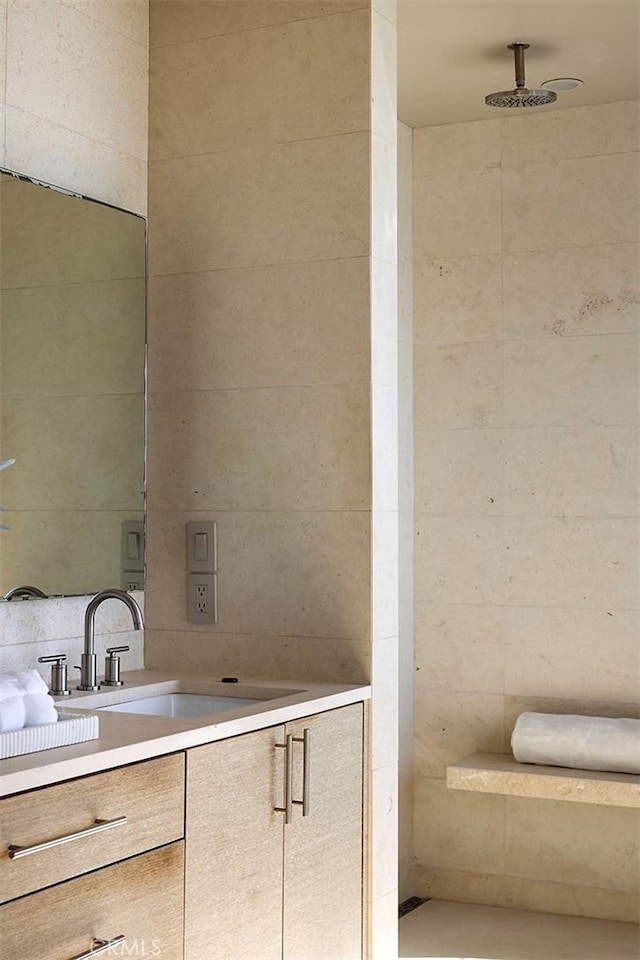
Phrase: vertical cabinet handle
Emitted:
{"points": [[287, 809], [305, 740]]}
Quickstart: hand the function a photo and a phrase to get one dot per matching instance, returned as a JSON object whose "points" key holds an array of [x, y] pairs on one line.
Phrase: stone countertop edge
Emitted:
{"points": [[129, 738]]}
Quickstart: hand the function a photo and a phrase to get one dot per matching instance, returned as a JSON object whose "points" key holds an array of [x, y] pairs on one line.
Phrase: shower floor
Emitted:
{"points": [[464, 931]]}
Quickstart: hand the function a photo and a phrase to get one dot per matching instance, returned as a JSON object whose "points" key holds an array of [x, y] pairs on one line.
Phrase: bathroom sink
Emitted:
{"points": [[180, 705]]}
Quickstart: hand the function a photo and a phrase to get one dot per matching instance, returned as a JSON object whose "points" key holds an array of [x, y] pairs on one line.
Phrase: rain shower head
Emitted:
{"points": [[521, 96]]}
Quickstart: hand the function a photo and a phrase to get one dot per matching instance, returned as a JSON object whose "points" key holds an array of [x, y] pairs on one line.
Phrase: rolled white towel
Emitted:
{"points": [[583, 743], [8, 689], [27, 681], [12, 714], [39, 708]]}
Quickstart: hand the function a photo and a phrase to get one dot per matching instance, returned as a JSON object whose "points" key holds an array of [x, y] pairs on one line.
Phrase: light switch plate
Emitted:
{"points": [[202, 548]]}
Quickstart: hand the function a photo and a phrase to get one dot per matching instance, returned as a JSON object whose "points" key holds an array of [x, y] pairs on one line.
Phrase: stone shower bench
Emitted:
{"points": [[501, 774]]}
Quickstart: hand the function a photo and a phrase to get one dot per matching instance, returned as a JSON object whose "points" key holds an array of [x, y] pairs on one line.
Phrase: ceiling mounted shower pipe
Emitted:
{"points": [[521, 96]]}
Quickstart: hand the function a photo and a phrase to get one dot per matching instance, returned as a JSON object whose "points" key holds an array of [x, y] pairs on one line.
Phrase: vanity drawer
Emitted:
{"points": [[150, 795], [141, 898]]}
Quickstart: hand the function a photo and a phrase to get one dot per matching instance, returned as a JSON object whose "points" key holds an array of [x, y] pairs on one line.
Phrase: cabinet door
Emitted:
{"points": [[141, 898], [233, 908], [323, 851]]}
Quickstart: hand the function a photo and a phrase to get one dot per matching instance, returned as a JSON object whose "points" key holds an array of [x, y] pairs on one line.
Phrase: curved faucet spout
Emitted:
{"points": [[88, 659]]}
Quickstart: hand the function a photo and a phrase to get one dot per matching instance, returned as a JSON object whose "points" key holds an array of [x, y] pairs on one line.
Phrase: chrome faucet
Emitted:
{"points": [[88, 677]]}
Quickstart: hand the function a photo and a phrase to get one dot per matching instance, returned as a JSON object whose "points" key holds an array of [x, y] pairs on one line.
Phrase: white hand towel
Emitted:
{"points": [[39, 709], [28, 681], [12, 714], [584, 743]]}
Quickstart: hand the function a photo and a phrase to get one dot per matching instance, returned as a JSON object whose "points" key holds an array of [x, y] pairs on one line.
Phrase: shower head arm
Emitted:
{"points": [[518, 57]]}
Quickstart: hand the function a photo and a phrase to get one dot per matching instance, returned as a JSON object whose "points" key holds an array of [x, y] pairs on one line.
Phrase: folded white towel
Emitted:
{"points": [[584, 743], [12, 714], [27, 681], [39, 708]]}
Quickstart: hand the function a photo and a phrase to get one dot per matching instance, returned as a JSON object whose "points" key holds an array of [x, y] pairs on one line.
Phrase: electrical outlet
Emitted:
{"points": [[202, 606]]}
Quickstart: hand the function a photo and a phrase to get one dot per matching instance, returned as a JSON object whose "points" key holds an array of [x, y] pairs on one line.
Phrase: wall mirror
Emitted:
{"points": [[72, 375]]}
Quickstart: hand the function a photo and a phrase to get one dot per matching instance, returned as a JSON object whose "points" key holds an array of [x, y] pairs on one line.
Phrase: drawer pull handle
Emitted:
{"points": [[305, 740], [288, 778], [98, 827], [100, 946]]}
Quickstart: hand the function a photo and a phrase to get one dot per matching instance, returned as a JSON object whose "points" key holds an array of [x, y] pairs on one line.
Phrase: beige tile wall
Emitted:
{"points": [[526, 488], [273, 355], [75, 98], [73, 112]]}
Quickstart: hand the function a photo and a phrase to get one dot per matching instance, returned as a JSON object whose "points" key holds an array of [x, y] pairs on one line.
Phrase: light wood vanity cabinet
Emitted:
{"points": [[140, 810], [150, 795], [248, 881], [141, 898], [255, 885]]}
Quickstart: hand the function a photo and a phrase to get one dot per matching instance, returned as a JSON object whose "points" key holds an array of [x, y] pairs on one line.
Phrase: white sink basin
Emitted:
{"points": [[180, 705]]}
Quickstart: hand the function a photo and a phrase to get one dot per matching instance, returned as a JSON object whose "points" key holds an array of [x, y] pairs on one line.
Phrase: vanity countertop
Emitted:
{"points": [[127, 738]]}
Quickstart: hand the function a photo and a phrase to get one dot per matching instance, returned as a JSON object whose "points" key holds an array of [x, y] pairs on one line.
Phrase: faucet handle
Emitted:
{"points": [[58, 684], [112, 666]]}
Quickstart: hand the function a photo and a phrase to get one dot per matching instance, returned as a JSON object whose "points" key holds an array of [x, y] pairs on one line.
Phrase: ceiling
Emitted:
{"points": [[451, 53]]}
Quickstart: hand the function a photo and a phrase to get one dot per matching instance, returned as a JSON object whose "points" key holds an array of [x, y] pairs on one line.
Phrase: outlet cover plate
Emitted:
{"points": [[202, 600]]}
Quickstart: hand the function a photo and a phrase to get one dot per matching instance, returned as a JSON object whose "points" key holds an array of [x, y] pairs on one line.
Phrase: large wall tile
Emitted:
{"points": [[575, 291], [81, 474], [458, 385], [457, 214], [92, 564], [295, 201], [457, 830], [571, 381], [456, 147], [460, 560], [316, 70], [74, 161], [576, 654], [458, 300], [314, 317], [48, 45], [3, 63], [459, 473], [307, 447], [525, 893], [72, 325], [385, 575], [384, 443], [571, 471], [450, 726], [62, 618], [384, 199], [571, 203], [177, 21], [459, 647], [384, 75], [302, 574], [129, 17], [385, 320], [55, 240], [259, 656], [572, 562], [580, 132], [574, 852], [384, 707], [19, 656], [384, 791]]}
